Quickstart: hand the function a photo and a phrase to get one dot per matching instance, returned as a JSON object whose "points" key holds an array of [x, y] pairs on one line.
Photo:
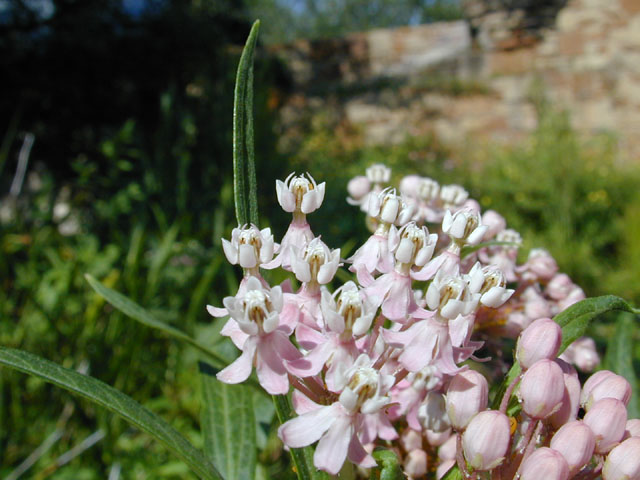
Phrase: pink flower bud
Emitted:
{"points": [[468, 394], [542, 389], [486, 440], [541, 264], [559, 286], [632, 428], [574, 296], [576, 442], [409, 185], [623, 462], [591, 382], [571, 397], [415, 463], [613, 386], [358, 187], [540, 340], [411, 439], [545, 463], [495, 223], [607, 419], [583, 354]]}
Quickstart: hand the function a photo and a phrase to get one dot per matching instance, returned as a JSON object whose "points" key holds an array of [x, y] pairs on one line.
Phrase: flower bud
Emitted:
{"points": [[576, 442], [540, 340], [541, 264], [415, 463], [623, 462], [486, 440], [358, 187], [542, 389], [411, 440], [559, 286], [432, 413], [495, 223], [613, 386], [544, 463], [607, 419], [409, 185], [467, 395], [571, 397], [632, 428], [583, 354], [575, 295], [591, 383]]}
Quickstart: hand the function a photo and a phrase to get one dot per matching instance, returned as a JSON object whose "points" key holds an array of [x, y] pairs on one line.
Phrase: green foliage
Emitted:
{"points": [[229, 426], [388, 466], [113, 400]]}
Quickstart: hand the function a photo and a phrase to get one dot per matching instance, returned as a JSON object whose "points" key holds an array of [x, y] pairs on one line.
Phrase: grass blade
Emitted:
{"points": [[113, 400]]}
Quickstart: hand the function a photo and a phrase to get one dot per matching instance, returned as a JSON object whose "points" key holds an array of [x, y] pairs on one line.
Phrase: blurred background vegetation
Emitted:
{"points": [[130, 103]]}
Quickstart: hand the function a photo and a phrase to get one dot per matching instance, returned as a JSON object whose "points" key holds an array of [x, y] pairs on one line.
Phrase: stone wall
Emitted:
{"points": [[473, 79]]}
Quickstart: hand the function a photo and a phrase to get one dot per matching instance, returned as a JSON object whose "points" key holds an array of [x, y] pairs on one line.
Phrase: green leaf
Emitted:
{"points": [[114, 401], [246, 203], [135, 311], [454, 473], [228, 425], [619, 357], [575, 319], [388, 465]]}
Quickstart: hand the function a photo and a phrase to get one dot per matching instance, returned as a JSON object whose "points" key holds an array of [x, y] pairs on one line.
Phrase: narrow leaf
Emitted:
{"points": [[242, 108], [114, 401], [135, 311], [619, 357], [575, 319], [228, 425]]}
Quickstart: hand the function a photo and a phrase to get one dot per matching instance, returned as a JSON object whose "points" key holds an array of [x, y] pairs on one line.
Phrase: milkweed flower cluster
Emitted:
{"points": [[399, 356]]}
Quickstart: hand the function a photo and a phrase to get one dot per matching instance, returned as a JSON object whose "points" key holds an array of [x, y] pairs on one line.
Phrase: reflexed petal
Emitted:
{"points": [[240, 370], [307, 428], [332, 449]]}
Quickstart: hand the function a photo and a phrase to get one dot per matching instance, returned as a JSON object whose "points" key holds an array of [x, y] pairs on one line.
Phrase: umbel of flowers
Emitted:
{"points": [[400, 357]]}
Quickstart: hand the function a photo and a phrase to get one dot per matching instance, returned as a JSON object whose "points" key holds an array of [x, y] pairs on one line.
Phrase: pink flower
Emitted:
{"points": [[300, 194], [249, 247], [338, 426], [266, 344]]}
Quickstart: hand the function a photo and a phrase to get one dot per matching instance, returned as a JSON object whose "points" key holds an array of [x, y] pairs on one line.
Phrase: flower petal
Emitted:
{"points": [[308, 428], [331, 451]]}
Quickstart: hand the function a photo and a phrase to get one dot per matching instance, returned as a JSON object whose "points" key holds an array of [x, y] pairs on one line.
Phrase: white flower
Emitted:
{"points": [[350, 313], [315, 262], [415, 246], [464, 226], [366, 388], [378, 173], [300, 194], [433, 413], [389, 208], [490, 283], [428, 189], [453, 195], [249, 247], [257, 311], [451, 296]]}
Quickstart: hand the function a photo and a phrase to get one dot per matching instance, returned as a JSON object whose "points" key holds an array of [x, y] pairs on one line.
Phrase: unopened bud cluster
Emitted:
{"points": [[390, 358]]}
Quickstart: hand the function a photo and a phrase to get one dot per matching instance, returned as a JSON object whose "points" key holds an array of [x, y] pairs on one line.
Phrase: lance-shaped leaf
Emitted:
{"points": [[135, 311], [229, 426], [114, 401], [244, 176], [619, 357]]}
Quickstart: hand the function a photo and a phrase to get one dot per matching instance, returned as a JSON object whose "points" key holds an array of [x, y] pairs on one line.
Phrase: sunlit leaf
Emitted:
{"points": [[229, 426], [114, 401]]}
